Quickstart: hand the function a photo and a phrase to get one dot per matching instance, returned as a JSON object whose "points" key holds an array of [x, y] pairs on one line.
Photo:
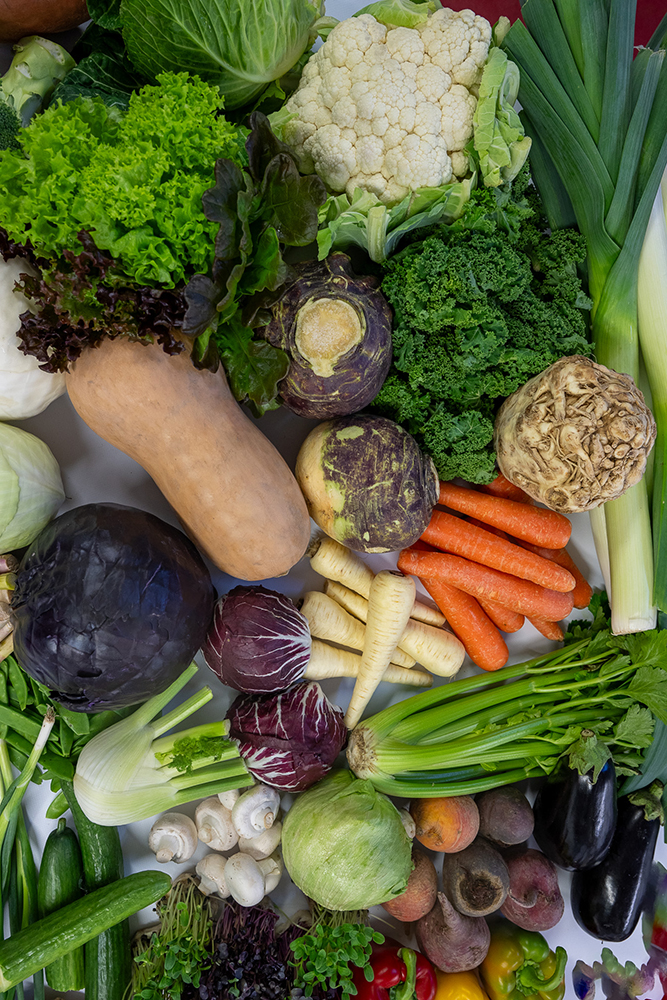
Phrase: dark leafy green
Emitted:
{"points": [[259, 210], [480, 306]]}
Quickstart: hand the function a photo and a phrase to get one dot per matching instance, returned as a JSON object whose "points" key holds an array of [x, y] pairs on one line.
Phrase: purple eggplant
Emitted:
{"points": [[575, 817], [607, 900]]}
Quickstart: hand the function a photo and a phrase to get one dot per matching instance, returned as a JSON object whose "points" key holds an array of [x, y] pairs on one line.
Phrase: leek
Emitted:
{"points": [[653, 338], [132, 770], [599, 124]]}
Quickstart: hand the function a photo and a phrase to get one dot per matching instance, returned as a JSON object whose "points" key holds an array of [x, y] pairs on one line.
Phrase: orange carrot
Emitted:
{"points": [[502, 617], [501, 487], [494, 531], [533, 524], [551, 630], [483, 642], [455, 535], [527, 598], [583, 591]]}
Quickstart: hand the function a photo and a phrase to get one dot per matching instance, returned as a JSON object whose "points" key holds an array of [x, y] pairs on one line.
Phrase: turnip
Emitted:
{"points": [[453, 942]]}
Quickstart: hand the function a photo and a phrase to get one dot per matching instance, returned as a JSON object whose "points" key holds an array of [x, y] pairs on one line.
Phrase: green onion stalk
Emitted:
{"points": [[598, 122], [587, 701], [18, 884]]}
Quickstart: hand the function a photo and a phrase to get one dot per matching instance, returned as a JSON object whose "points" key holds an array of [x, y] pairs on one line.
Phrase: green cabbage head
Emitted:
{"points": [[344, 844], [240, 45]]}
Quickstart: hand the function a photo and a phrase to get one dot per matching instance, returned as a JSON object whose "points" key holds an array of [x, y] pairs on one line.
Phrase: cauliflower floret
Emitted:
{"points": [[389, 110]]}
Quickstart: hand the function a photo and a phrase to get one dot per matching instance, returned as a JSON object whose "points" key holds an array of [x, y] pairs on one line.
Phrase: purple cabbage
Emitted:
{"points": [[288, 740], [258, 641]]}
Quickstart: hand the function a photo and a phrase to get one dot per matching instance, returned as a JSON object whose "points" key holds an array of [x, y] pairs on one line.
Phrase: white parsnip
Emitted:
{"points": [[434, 648], [328, 620], [328, 661], [336, 562], [390, 602]]}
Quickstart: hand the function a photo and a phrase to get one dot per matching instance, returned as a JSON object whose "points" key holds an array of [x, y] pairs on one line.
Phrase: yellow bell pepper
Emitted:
{"points": [[459, 986]]}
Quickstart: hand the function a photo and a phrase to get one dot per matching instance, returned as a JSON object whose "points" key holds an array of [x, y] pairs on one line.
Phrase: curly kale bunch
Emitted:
{"points": [[480, 306]]}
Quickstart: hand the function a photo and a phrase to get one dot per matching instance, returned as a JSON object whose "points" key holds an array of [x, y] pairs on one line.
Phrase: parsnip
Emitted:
{"points": [[390, 602], [336, 562], [328, 620], [434, 648], [328, 661]]}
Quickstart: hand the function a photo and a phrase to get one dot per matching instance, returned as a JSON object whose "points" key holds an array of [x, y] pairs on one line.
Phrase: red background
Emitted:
{"points": [[649, 13]]}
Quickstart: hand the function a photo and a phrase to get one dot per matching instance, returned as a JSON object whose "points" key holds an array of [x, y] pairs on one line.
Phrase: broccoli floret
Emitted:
{"points": [[10, 126]]}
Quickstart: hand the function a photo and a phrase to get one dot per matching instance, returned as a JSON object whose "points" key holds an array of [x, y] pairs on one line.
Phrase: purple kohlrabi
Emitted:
{"points": [[288, 740]]}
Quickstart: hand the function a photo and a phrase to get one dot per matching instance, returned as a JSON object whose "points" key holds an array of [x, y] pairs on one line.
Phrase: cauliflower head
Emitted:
{"points": [[390, 109]]}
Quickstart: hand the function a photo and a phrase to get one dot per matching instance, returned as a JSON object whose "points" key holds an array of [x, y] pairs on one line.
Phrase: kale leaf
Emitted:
{"points": [[480, 306]]}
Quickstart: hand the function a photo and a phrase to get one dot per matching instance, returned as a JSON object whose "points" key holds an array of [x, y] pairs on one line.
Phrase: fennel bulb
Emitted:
{"points": [[31, 489], [25, 389], [128, 772]]}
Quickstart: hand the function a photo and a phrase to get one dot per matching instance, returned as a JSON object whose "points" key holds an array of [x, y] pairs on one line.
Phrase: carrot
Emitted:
{"points": [[494, 531], [583, 591], [502, 617], [533, 524], [483, 642], [527, 598], [551, 630], [390, 602], [501, 487], [455, 535]]}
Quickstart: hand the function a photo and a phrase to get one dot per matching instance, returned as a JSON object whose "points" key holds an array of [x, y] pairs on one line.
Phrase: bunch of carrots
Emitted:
{"points": [[501, 563]]}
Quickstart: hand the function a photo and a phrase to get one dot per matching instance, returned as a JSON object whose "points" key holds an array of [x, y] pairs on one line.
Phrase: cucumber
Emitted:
{"points": [[66, 929], [60, 882], [107, 958]]}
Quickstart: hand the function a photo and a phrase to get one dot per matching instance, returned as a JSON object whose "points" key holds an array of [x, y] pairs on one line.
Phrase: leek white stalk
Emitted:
{"points": [[132, 771], [652, 303]]}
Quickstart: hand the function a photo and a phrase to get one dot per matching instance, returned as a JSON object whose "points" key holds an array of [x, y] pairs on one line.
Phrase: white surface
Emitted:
{"points": [[94, 471]]}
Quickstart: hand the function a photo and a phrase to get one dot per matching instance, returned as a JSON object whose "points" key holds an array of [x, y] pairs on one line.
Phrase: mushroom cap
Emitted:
{"points": [[214, 825], [264, 845], [173, 837], [211, 871], [245, 879], [575, 436], [255, 811]]}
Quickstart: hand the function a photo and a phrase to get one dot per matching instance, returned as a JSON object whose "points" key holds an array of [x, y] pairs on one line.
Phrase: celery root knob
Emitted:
{"points": [[361, 752]]}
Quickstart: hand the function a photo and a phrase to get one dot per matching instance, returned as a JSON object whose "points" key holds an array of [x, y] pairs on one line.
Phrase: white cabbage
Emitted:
{"points": [[31, 489]]}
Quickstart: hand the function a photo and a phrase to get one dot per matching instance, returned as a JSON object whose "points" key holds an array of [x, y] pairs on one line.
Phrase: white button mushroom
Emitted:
{"points": [[214, 825], [255, 811], [408, 822], [249, 880], [173, 837], [263, 845], [229, 798], [211, 871]]}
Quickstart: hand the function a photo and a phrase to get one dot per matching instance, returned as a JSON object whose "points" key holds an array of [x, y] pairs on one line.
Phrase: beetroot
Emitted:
{"points": [[505, 815], [534, 901], [421, 893], [451, 941]]}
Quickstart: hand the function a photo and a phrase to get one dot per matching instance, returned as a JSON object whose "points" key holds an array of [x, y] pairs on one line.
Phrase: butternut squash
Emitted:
{"points": [[232, 491], [39, 17]]}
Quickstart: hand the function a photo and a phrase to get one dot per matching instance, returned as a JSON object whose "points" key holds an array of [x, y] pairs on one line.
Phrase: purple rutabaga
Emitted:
{"points": [[336, 328], [288, 740], [258, 641]]}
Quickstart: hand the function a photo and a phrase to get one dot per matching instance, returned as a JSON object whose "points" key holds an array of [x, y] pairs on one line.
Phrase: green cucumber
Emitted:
{"points": [[107, 958], [64, 930], [60, 882]]}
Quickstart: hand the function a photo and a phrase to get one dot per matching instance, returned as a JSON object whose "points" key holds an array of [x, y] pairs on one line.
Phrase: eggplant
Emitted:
{"points": [[575, 817], [607, 900]]}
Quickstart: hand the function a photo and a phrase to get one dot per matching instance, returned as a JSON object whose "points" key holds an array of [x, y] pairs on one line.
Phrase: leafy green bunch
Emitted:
{"points": [[134, 180], [327, 955], [480, 306]]}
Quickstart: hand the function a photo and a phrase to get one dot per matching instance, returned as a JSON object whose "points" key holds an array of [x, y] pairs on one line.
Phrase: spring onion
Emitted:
{"points": [[592, 700], [599, 124], [132, 770]]}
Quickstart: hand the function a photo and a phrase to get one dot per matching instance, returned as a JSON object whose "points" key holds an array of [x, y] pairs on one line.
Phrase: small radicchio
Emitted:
{"points": [[258, 641], [288, 740]]}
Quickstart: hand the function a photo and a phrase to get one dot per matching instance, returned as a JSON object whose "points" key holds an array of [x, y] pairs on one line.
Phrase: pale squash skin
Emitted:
{"points": [[233, 492]]}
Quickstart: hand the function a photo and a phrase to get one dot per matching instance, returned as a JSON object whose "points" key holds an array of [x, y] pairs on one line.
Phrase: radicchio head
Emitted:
{"points": [[258, 641], [288, 740]]}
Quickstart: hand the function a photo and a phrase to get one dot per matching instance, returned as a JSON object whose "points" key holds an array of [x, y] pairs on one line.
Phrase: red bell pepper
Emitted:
{"points": [[410, 974]]}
